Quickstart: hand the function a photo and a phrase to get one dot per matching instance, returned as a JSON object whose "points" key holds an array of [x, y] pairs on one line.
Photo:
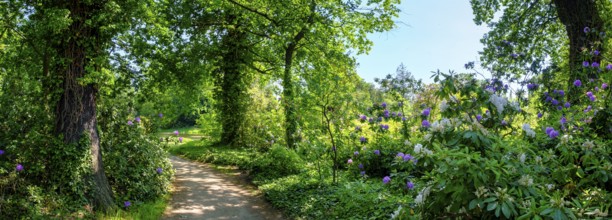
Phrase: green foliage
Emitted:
{"points": [[277, 162]]}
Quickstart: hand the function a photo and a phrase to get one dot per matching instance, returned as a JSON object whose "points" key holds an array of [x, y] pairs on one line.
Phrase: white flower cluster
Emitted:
{"points": [[420, 199], [419, 149], [499, 102], [526, 180], [565, 139], [589, 145], [444, 106], [528, 131], [441, 125], [522, 157]]}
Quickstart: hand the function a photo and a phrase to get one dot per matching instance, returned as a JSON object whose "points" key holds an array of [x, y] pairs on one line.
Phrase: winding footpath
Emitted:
{"points": [[201, 192]]}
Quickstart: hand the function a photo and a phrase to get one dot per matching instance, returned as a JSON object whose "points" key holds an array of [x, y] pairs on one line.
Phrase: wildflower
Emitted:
{"points": [[377, 152], [1, 152], [585, 63], [350, 161], [130, 123], [407, 157], [478, 117], [595, 65], [159, 170], [127, 204], [176, 132], [180, 139], [539, 114], [360, 166], [137, 119], [383, 105], [409, 185], [605, 85], [19, 167], [587, 30], [577, 83], [426, 112], [567, 105], [362, 139], [425, 123], [356, 153], [386, 179]]}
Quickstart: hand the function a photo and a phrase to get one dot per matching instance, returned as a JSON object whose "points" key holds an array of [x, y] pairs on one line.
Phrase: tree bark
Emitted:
{"points": [[232, 95], [576, 15], [291, 119], [76, 109]]}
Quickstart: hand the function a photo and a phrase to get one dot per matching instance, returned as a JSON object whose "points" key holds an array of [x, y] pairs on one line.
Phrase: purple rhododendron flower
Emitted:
{"points": [[567, 105], [384, 127], [596, 52], [403, 118], [371, 120], [426, 112], [386, 113], [561, 92], [161, 115], [514, 55], [356, 153], [360, 166], [588, 108], [585, 63], [539, 114], [548, 99], [595, 65], [586, 30], [400, 154], [1, 152], [478, 117], [555, 102], [357, 128], [377, 152], [532, 86], [386, 179], [399, 104], [127, 204], [577, 83], [592, 98], [563, 120], [589, 94], [159, 170], [19, 167], [137, 119], [409, 185], [399, 114], [384, 105], [350, 161], [553, 134], [504, 123], [425, 123], [130, 123], [362, 173], [363, 118], [605, 85], [181, 139], [362, 139], [407, 157], [559, 108], [609, 67], [176, 132]]}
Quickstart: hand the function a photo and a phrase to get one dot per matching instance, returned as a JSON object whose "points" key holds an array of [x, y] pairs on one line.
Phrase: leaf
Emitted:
{"points": [[491, 206], [558, 215], [505, 210], [546, 211], [473, 204]]}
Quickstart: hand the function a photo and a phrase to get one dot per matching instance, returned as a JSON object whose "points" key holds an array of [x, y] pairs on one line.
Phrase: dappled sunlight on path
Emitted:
{"points": [[203, 193]]}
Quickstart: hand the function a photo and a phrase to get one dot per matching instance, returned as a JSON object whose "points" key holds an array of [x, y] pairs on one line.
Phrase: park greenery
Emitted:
{"points": [[93, 94]]}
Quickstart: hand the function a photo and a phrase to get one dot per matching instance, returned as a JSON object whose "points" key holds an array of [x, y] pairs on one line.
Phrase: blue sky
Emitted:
{"points": [[430, 35]]}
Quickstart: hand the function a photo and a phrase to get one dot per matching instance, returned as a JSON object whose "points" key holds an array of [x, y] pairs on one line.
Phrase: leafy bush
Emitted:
{"points": [[277, 162]]}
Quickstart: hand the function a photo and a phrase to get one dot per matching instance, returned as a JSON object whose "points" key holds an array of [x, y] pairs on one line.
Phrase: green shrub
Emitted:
{"points": [[277, 162]]}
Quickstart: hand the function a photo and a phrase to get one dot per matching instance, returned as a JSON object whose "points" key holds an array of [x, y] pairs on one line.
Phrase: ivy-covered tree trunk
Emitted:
{"points": [[291, 119], [76, 108], [576, 16], [232, 96]]}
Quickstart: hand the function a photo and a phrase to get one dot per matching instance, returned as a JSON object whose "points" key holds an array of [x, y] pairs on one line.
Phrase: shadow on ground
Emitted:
{"points": [[204, 193]]}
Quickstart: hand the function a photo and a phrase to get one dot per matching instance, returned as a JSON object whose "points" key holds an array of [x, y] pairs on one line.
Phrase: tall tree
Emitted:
{"points": [[529, 36]]}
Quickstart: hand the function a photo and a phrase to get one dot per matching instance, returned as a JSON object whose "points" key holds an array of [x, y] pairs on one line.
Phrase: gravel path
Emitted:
{"points": [[202, 192]]}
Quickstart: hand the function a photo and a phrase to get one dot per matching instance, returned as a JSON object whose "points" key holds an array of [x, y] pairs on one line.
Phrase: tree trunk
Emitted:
{"points": [[291, 119], [576, 15], [76, 109], [232, 95]]}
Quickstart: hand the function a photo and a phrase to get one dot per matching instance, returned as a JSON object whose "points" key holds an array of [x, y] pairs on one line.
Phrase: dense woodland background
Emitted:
{"points": [[87, 87]]}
